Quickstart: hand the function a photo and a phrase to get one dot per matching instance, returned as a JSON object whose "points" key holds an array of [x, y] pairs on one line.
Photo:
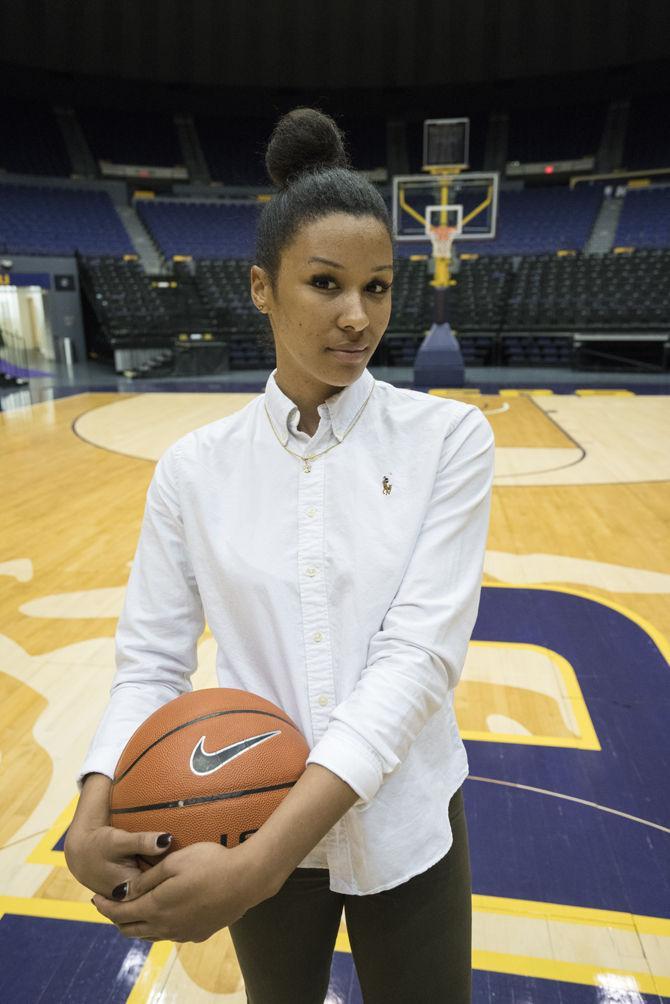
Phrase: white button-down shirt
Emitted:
{"points": [[346, 594]]}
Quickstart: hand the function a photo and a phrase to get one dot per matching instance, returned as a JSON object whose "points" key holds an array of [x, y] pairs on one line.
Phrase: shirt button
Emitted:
{"points": [[311, 511], [318, 636], [323, 700], [311, 571]]}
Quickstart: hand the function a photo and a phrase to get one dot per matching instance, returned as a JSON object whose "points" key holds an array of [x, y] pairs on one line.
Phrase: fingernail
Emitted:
{"points": [[120, 891], [164, 840]]}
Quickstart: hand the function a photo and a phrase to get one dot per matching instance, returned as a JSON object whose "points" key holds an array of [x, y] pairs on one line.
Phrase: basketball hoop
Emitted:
{"points": [[442, 238]]}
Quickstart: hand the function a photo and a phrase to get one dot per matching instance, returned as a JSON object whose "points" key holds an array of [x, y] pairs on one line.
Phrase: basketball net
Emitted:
{"points": [[442, 238]]}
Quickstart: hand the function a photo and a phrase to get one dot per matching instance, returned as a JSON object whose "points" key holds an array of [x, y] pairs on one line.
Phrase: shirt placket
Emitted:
{"points": [[314, 603], [313, 596]]}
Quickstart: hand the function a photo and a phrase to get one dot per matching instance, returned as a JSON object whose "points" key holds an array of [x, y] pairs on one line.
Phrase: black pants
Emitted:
{"points": [[410, 944]]}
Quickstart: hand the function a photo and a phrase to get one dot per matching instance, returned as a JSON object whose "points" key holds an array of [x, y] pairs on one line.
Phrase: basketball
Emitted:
{"points": [[211, 765]]}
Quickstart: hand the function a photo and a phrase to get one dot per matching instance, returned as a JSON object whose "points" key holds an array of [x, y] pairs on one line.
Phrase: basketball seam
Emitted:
{"points": [[194, 721], [184, 803]]}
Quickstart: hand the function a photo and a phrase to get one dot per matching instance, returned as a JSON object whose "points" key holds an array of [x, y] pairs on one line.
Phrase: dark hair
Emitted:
{"points": [[307, 160]]}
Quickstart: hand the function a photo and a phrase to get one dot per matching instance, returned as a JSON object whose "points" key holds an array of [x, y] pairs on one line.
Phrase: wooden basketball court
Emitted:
{"points": [[564, 702]]}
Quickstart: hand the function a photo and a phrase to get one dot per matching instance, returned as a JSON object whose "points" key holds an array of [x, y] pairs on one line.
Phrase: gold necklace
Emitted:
{"points": [[306, 460]]}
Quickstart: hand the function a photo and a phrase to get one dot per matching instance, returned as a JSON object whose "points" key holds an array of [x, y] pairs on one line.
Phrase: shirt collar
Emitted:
{"points": [[342, 408]]}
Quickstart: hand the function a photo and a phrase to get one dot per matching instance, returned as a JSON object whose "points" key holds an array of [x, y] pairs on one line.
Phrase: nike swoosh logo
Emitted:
{"points": [[203, 763]]}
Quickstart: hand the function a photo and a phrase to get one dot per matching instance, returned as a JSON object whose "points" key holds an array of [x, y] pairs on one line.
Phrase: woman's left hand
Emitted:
{"points": [[189, 895]]}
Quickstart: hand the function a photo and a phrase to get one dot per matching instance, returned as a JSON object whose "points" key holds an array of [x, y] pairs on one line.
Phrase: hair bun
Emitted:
{"points": [[304, 139]]}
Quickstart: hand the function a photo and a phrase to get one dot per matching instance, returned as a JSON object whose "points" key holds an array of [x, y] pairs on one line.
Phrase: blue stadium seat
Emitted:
{"points": [[645, 219], [36, 220], [540, 221], [201, 229]]}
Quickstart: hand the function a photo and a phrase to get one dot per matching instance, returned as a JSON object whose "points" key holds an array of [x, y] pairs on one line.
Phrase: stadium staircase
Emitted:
{"points": [[605, 226], [150, 257]]}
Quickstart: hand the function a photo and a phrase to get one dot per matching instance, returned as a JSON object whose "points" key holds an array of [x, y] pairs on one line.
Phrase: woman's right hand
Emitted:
{"points": [[101, 856]]}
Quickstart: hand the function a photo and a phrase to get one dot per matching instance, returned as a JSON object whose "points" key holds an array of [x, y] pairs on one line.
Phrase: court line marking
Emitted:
{"points": [[549, 470], [557, 969], [520, 965], [571, 972], [599, 484], [570, 798], [498, 477], [97, 446], [22, 840]]}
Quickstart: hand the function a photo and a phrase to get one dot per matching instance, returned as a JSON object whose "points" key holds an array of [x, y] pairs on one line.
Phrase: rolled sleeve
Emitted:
{"points": [[417, 656], [160, 623]]}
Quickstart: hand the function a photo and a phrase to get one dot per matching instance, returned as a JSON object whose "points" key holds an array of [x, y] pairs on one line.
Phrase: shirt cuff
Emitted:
{"points": [[345, 753], [99, 761]]}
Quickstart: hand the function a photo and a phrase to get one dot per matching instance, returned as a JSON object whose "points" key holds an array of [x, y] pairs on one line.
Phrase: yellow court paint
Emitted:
{"points": [[43, 853], [530, 391], [53, 909], [608, 925], [144, 990], [569, 972], [587, 738], [448, 391], [592, 392]]}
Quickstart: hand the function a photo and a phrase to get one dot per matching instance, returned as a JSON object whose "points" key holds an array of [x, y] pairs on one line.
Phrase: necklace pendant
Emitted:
{"points": [[307, 466]]}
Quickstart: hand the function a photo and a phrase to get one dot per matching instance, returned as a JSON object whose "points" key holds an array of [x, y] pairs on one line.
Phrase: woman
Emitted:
{"points": [[332, 533]]}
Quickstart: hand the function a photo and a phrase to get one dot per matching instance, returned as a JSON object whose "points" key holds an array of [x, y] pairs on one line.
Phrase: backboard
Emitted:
{"points": [[476, 192]]}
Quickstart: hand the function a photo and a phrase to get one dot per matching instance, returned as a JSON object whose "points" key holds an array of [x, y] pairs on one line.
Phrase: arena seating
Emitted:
{"points": [[605, 292], [546, 220], [124, 302], [201, 229], [506, 310], [645, 219], [223, 285], [483, 286], [540, 220], [519, 298], [412, 297], [132, 309], [61, 221]]}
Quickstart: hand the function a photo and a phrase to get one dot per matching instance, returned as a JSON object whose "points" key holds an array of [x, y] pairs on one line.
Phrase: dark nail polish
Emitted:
{"points": [[164, 840], [120, 891]]}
